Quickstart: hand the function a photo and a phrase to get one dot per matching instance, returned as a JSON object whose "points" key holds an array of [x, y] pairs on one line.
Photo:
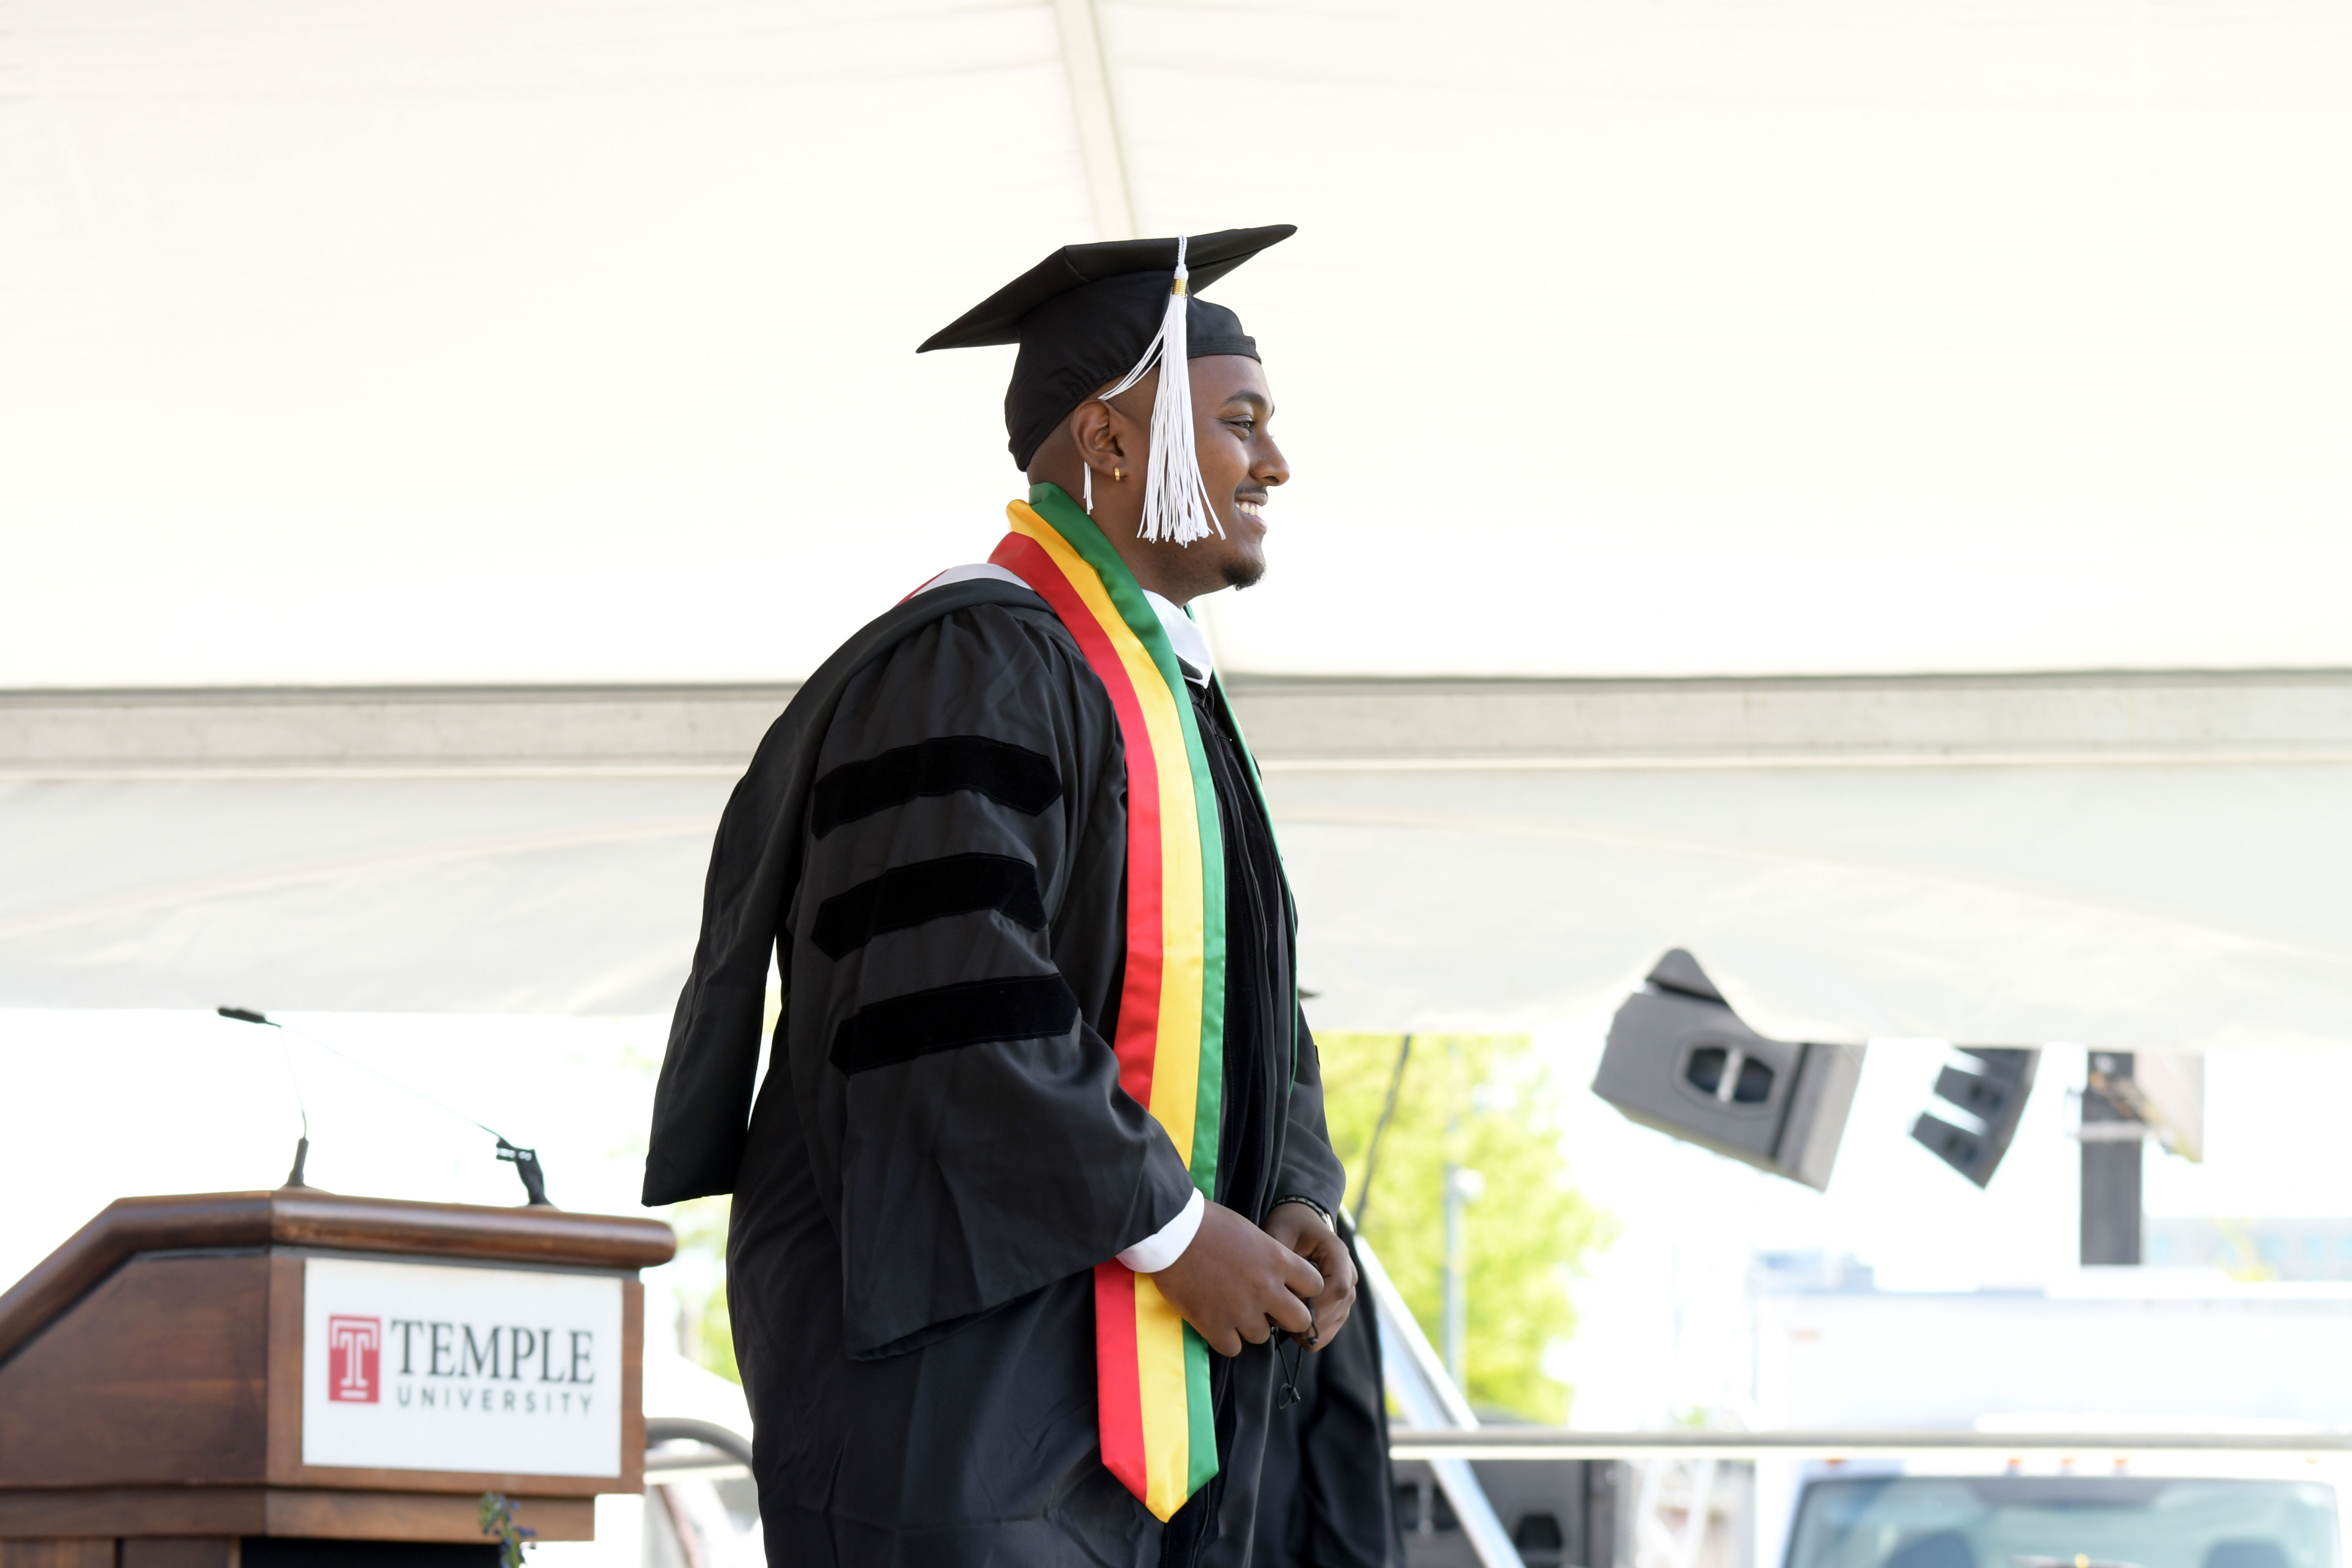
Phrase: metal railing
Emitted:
{"points": [[1431, 1443]]}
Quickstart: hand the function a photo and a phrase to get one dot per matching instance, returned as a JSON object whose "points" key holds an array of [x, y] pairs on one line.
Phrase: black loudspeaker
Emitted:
{"points": [[1680, 1060], [1993, 1096]]}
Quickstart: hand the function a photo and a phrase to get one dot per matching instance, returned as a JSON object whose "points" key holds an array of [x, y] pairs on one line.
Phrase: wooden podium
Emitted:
{"points": [[245, 1379]]}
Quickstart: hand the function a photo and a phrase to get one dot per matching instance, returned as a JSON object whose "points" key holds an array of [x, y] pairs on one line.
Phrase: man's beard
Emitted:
{"points": [[1243, 574]]}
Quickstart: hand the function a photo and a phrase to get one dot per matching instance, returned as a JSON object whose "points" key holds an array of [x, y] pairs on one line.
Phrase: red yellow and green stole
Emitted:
{"points": [[1152, 1369]]}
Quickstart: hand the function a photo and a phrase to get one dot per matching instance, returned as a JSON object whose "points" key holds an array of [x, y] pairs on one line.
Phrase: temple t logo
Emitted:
{"points": [[354, 1348]]}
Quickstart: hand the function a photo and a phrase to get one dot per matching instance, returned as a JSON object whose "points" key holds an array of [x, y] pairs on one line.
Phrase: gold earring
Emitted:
{"points": [[1118, 475]]}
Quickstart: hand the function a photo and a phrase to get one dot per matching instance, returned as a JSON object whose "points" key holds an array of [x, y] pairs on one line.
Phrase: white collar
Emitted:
{"points": [[1185, 636]]}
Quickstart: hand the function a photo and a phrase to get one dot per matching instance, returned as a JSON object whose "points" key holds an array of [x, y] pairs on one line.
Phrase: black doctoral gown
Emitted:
{"points": [[1327, 1492], [932, 841]]}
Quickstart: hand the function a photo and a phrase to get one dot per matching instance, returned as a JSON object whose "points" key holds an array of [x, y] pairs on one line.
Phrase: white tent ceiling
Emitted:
{"points": [[2151, 862], [515, 340], [2137, 908], [574, 895], [1993, 905]]}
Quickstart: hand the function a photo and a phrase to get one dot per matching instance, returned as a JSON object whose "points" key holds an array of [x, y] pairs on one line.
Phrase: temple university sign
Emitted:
{"points": [[421, 1366]]}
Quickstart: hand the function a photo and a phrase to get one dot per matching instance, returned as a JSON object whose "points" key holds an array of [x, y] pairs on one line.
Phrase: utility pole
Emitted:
{"points": [[2112, 1136], [1454, 1326]]}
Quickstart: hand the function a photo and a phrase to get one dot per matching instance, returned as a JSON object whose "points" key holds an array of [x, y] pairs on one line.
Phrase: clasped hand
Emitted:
{"points": [[1237, 1282]]}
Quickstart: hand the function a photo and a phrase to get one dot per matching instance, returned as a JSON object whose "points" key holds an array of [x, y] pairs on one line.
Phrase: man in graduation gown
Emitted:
{"points": [[1035, 1197]]}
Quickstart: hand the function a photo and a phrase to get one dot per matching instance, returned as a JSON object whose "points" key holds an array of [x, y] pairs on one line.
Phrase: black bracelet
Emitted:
{"points": [[1310, 1203]]}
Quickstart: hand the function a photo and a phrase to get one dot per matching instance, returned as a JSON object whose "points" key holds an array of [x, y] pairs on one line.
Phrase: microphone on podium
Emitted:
{"points": [[524, 1161], [301, 1144]]}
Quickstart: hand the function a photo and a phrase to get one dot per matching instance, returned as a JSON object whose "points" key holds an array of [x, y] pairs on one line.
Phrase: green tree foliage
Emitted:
{"points": [[701, 1284], [699, 1275], [1486, 1103]]}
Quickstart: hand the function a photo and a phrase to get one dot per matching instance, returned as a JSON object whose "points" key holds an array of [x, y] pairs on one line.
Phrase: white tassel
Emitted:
{"points": [[1175, 498]]}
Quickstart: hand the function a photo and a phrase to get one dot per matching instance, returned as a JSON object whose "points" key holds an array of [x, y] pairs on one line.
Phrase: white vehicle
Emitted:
{"points": [[1978, 1521], [2217, 1511], [2203, 1387]]}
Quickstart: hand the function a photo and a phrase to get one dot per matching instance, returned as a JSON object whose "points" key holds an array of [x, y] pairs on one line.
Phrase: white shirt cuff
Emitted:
{"points": [[1165, 1246]]}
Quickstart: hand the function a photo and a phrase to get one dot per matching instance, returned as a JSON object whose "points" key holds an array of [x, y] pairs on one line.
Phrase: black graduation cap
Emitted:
{"points": [[1085, 314]]}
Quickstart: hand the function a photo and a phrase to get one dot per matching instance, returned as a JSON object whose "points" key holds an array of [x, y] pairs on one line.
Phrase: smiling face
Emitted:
{"points": [[1240, 466], [1232, 410]]}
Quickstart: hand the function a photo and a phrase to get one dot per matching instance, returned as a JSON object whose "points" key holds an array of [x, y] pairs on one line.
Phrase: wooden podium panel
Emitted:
{"points": [[302, 1364]]}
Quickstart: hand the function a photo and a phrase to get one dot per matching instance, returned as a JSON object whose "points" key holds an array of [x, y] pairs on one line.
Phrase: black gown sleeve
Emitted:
{"points": [[954, 951], [702, 1103], [1310, 1168]]}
